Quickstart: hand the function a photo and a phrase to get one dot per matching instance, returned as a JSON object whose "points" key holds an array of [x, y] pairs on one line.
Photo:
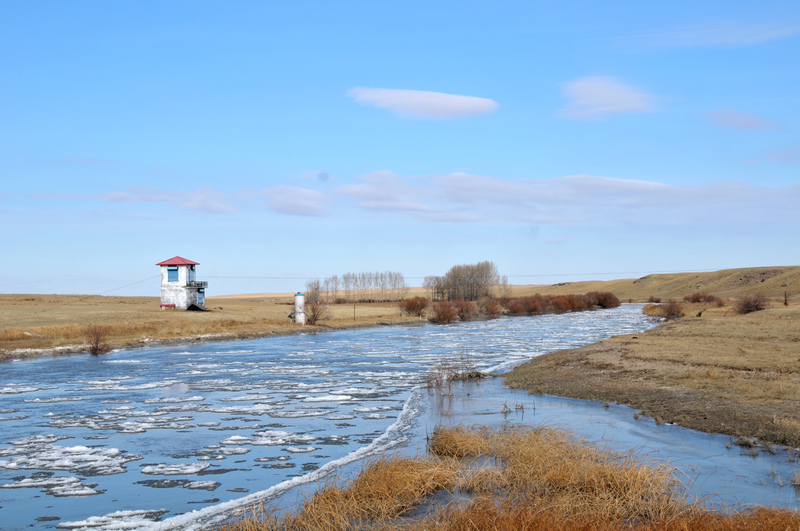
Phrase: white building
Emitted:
{"points": [[179, 288]]}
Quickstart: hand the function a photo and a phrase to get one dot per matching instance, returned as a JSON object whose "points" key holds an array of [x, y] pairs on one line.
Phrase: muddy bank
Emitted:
{"points": [[737, 375]]}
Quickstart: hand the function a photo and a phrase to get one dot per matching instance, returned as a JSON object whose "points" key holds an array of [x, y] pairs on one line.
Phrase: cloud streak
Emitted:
{"points": [[203, 200], [421, 104], [719, 36], [740, 120], [568, 200], [296, 201], [597, 97]]}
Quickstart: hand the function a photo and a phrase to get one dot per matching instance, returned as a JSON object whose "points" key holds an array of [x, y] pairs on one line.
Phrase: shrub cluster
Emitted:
{"points": [[750, 303], [672, 309], [698, 297], [414, 306], [443, 312], [488, 306], [539, 304]]}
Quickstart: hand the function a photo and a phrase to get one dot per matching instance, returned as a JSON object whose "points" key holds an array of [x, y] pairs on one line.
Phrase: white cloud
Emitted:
{"points": [[723, 35], [423, 104], [296, 201], [599, 96], [739, 120], [204, 199]]}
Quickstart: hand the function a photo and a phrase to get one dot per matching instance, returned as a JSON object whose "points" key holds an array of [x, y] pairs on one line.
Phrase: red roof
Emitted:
{"points": [[177, 261]]}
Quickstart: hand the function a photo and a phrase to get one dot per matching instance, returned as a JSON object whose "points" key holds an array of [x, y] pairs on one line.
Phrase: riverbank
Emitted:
{"points": [[719, 372], [40, 325]]}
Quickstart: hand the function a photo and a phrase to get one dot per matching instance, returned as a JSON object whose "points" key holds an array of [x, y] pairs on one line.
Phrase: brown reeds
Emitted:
{"points": [[511, 479]]}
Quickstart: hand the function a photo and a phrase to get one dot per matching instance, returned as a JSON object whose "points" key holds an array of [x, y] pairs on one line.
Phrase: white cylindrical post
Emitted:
{"points": [[300, 308]]}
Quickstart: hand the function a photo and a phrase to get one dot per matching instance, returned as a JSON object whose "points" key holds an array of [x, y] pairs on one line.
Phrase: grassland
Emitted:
{"points": [[720, 372], [33, 325], [509, 479]]}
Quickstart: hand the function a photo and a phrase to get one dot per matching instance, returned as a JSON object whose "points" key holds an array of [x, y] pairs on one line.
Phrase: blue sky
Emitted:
{"points": [[275, 142]]}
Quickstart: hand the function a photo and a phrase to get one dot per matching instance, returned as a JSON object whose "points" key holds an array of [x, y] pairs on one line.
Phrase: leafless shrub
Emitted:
{"points": [[96, 336], [466, 309], [414, 306], [315, 312], [672, 309], [750, 303], [605, 299], [444, 312], [703, 297], [654, 299], [488, 306]]}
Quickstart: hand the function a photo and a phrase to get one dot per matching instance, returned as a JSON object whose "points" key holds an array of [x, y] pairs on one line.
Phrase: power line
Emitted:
{"points": [[530, 275]]}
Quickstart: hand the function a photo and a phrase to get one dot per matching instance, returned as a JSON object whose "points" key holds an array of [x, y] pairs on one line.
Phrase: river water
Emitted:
{"points": [[178, 437]]}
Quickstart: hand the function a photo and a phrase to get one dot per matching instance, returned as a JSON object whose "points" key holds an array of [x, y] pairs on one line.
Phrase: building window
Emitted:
{"points": [[172, 273]]}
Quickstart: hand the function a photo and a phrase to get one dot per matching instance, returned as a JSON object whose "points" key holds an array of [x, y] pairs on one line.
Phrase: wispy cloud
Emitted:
{"points": [[423, 104], [731, 35], [599, 96], [315, 175], [575, 199], [740, 120], [790, 154], [84, 160], [296, 201], [204, 199]]}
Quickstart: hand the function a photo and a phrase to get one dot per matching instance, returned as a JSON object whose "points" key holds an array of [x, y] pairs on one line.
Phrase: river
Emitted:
{"points": [[179, 436]]}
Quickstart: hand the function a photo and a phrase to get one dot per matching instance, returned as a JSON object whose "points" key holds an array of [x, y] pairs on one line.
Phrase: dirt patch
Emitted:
{"points": [[722, 373]]}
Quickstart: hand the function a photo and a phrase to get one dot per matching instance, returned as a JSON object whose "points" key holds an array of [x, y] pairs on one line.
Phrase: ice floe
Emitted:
{"points": [[174, 469]]}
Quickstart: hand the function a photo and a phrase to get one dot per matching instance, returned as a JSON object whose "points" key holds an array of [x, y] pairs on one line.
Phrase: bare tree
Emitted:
{"points": [[313, 291], [315, 312]]}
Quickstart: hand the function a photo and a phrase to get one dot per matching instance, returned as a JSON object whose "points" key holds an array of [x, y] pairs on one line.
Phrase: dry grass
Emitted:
{"points": [[510, 479], [721, 372], [51, 321], [771, 281]]}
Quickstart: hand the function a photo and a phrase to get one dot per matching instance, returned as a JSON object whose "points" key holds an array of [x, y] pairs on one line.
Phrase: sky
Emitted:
{"points": [[278, 142]]}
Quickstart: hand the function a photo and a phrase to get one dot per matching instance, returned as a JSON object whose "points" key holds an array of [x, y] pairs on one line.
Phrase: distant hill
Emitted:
{"points": [[770, 281]]}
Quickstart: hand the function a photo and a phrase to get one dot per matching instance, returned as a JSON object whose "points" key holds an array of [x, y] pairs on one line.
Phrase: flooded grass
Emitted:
{"points": [[510, 479]]}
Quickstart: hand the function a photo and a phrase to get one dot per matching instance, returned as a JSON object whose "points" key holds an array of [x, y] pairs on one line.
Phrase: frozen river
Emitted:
{"points": [[171, 437]]}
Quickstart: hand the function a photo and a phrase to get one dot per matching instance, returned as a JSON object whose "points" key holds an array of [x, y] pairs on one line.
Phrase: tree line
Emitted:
{"points": [[377, 286], [465, 282]]}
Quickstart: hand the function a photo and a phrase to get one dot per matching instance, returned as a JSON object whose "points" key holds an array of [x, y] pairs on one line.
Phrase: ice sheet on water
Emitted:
{"points": [[174, 469], [254, 409], [174, 400], [300, 449], [59, 486], [341, 417], [116, 521], [17, 417], [57, 399], [18, 390], [297, 414], [39, 453], [250, 397], [374, 416], [326, 398]]}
